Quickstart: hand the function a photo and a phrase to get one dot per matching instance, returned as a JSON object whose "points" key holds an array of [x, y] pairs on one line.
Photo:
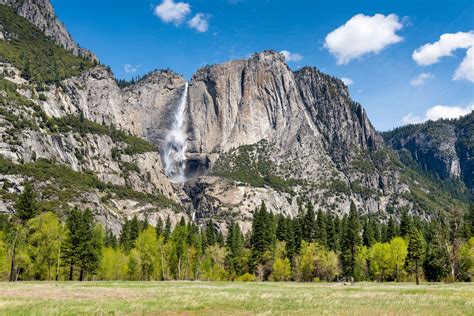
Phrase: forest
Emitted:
{"points": [[312, 247]]}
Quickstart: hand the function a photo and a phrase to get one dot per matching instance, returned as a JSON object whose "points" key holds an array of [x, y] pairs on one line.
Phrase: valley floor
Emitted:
{"points": [[144, 298]]}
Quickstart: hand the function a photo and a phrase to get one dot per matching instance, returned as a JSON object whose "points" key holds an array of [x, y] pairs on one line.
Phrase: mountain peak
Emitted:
{"points": [[41, 14]]}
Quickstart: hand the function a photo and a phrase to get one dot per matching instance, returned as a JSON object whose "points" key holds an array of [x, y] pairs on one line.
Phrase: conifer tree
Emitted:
{"points": [[159, 227], [321, 231], [26, 204], [351, 239], [392, 230], [83, 243], [309, 224], [416, 250], [167, 231], [406, 224]]}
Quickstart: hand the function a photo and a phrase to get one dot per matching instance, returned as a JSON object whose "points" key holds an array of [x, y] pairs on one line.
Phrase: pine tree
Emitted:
{"points": [[159, 227], [26, 204], [367, 234], [83, 244], [211, 233], [416, 250], [406, 224], [234, 246], [167, 231], [331, 233], [309, 224], [125, 236], [282, 228], [263, 236], [392, 230], [135, 229], [321, 231], [351, 239]]}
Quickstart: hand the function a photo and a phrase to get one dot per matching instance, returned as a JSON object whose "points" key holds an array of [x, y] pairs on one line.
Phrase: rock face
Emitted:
{"points": [[315, 131], [443, 148], [256, 131], [41, 14]]}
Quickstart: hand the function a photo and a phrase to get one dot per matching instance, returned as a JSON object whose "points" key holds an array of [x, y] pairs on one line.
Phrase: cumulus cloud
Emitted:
{"points": [[347, 81], [432, 53], [438, 112], [172, 12], [421, 79], [291, 56], [363, 34], [466, 68], [130, 69], [199, 22]]}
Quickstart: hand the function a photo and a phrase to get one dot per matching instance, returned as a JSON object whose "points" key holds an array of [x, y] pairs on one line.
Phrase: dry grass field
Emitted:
{"points": [[217, 298]]}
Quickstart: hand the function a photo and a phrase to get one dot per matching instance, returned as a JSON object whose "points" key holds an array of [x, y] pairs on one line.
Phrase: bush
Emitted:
{"points": [[247, 277]]}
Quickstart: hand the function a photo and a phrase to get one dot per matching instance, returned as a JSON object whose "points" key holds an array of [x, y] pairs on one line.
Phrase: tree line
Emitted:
{"points": [[313, 246]]}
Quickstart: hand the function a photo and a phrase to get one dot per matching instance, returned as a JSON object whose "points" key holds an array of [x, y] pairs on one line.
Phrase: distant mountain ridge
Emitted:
{"points": [[444, 148]]}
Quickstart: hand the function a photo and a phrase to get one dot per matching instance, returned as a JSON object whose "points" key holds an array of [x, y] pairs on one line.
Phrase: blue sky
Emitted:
{"points": [[379, 63]]}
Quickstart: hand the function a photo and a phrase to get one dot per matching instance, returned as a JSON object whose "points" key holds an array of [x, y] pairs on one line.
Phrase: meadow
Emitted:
{"points": [[232, 298]]}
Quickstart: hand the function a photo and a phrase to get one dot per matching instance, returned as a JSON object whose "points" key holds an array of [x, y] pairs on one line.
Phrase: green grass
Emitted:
{"points": [[217, 298]]}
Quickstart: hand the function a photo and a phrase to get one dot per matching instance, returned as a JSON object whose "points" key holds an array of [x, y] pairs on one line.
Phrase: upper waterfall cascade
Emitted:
{"points": [[175, 145]]}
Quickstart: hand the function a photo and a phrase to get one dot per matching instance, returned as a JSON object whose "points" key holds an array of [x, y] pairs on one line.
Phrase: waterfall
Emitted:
{"points": [[174, 147]]}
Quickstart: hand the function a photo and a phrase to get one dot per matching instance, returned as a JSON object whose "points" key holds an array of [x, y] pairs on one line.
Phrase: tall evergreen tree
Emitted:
{"points": [[392, 230], [309, 223], [416, 251], [83, 243], [26, 205], [167, 230], [406, 224], [321, 231], [159, 227], [351, 240]]}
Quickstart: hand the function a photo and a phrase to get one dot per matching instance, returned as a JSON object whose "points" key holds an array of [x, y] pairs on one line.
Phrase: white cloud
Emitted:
{"points": [[421, 79], [170, 12], [347, 81], [199, 22], [130, 69], [431, 53], [291, 56], [466, 68], [363, 34], [438, 112]]}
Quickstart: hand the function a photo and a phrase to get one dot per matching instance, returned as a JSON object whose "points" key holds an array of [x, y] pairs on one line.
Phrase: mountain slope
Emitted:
{"points": [[443, 148], [41, 14]]}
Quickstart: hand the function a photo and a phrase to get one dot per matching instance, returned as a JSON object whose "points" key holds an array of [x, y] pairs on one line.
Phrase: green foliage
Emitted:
{"points": [[68, 183], [26, 204], [351, 240], [416, 250], [83, 245], [250, 164], [135, 145], [37, 56]]}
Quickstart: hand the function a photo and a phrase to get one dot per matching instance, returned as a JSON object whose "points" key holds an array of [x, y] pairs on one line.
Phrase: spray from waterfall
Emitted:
{"points": [[174, 147]]}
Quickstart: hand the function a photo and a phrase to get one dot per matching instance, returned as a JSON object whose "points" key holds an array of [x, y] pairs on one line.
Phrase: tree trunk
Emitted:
{"points": [[57, 269], [416, 273], [71, 270], [12, 265], [81, 275], [398, 274]]}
